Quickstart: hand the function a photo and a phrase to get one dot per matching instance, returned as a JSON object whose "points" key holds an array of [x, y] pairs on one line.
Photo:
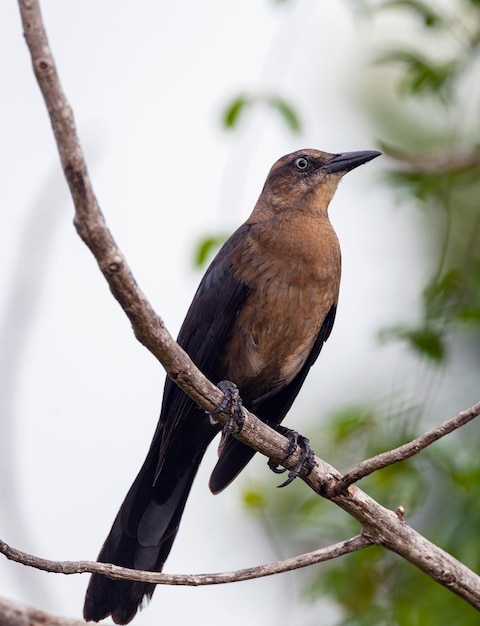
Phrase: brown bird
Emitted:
{"points": [[259, 318]]}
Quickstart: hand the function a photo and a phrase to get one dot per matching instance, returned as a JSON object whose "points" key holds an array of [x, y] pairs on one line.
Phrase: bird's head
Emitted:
{"points": [[306, 180]]}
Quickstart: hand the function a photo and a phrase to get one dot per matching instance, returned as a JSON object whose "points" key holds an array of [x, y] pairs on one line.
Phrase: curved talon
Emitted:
{"points": [[307, 458], [231, 399], [306, 461], [276, 469], [293, 439]]}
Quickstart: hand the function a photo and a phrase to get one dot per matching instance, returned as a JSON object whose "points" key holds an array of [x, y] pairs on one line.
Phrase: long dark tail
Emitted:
{"points": [[147, 523]]}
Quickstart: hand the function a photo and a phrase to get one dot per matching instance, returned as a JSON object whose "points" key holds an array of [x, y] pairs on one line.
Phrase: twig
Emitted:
{"points": [[436, 164], [367, 467], [194, 580], [15, 614], [380, 526]]}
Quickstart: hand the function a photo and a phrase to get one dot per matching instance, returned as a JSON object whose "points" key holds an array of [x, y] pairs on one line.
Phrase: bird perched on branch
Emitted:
{"points": [[259, 318]]}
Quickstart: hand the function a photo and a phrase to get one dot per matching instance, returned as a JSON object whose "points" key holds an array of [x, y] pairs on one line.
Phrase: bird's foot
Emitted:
{"points": [[307, 458], [232, 401]]}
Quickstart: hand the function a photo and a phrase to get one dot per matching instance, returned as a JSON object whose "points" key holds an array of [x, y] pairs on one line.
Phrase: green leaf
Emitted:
{"points": [[349, 421], [423, 76], [439, 294], [234, 109], [427, 340], [287, 112], [205, 248], [429, 17], [254, 500]]}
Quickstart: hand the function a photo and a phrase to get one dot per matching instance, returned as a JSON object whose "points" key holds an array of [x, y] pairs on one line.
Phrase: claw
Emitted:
{"points": [[232, 400], [307, 458], [276, 469]]}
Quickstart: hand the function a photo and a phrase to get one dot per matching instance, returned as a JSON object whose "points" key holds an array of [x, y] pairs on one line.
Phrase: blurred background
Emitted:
{"points": [[182, 108]]}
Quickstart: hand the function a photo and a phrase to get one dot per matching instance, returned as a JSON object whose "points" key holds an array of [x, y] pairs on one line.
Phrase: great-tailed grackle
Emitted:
{"points": [[259, 318]]}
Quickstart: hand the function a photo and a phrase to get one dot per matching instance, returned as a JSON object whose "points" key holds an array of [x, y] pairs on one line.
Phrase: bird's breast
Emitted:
{"points": [[293, 280]]}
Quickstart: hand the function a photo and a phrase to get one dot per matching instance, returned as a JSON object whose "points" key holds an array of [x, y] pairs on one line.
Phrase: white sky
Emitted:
{"points": [[80, 397]]}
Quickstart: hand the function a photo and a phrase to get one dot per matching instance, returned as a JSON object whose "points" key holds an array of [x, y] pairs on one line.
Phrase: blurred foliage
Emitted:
{"points": [[432, 136], [434, 147], [233, 111], [424, 100], [422, 75], [374, 586]]}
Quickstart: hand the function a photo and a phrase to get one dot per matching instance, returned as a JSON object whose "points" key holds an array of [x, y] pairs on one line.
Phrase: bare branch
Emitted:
{"points": [[15, 614], [380, 526], [192, 580], [367, 467], [436, 163]]}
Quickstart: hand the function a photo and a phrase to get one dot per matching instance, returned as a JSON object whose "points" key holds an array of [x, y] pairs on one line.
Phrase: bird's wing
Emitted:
{"points": [[202, 335], [145, 527], [233, 454]]}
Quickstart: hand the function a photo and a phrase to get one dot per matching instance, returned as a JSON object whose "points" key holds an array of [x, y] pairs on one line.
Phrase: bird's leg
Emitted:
{"points": [[307, 457], [232, 401]]}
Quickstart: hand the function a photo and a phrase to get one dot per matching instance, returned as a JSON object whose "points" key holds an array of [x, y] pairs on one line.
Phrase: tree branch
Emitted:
{"points": [[193, 580], [15, 614], [380, 526], [407, 450]]}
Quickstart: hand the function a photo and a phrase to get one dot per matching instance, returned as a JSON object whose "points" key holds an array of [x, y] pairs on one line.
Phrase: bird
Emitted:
{"points": [[259, 318]]}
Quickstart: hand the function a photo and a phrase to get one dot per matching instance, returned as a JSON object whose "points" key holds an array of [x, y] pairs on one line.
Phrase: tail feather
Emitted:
{"points": [[122, 599], [233, 457], [118, 598], [146, 525]]}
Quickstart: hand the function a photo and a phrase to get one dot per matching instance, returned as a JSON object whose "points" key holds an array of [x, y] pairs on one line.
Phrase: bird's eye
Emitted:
{"points": [[301, 163]]}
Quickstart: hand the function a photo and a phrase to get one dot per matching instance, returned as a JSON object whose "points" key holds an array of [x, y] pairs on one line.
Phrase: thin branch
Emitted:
{"points": [[380, 526], [435, 163], [15, 614], [367, 467], [193, 580]]}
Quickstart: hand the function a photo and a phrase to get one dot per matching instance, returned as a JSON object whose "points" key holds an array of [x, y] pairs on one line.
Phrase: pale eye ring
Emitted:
{"points": [[301, 163]]}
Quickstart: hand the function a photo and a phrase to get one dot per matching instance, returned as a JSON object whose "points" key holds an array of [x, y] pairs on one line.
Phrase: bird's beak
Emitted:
{"points": [[347, 161]]}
